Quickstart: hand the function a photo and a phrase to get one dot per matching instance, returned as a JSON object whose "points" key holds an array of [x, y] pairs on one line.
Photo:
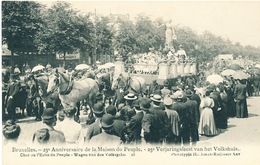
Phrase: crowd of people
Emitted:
{"points": [[177, 112]]}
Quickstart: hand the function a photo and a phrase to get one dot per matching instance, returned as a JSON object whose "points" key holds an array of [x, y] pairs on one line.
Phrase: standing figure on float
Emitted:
{"points": [[169, 35]]}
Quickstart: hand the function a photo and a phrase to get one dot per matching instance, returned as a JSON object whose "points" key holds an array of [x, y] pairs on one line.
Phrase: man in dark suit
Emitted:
{"points": [[119, 125], [150, 125], [164, 124], [94, 129], [107, 137], [134, 126], [12, 96], [119, 95], [193, 116], [240, 99], [182, 110]]}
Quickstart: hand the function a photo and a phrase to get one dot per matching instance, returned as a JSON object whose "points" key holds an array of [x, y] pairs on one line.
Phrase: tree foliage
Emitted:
{"points": [[21, 20], [65, 31]]}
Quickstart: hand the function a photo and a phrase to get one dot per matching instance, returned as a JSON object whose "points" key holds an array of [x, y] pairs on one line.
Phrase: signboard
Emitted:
{"points": [[75, 56]]}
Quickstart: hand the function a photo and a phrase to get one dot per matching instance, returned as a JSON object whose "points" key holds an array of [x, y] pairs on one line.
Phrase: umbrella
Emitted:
{"points": [[82, 66], [110, 64], [215, 79], [228, 72], [257, 65], [240, 75], [102, 67], [37, 68], [234, 67]]}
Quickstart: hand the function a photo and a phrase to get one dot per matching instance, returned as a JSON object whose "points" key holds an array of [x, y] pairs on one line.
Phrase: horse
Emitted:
{"points": [[37, 91], [72, 91], [136, 85]]}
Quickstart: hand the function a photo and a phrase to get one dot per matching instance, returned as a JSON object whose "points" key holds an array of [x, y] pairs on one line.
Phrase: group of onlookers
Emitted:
{"points": [[176, 113]]}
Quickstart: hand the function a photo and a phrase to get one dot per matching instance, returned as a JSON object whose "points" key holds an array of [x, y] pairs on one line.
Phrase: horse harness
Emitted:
{"points": [[69, 87], [133, 88]]}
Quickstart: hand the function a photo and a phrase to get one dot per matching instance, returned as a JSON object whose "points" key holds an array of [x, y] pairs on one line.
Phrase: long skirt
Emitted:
{"points": [[207, 123]]}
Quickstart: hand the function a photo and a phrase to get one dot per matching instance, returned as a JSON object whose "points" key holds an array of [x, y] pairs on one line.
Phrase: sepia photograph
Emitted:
{"points": [[130, 82]]}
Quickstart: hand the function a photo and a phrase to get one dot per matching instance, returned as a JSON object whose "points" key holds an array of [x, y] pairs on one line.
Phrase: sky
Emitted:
{"points": [[237, 21]]}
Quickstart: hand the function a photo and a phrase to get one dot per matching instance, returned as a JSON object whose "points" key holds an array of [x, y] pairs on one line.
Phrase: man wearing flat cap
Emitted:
{"points": [[164, 124], [94, 129], [107, 137], [49, 119]]}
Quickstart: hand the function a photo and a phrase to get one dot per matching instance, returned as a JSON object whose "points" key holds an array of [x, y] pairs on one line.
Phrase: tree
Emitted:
{"points": [[66, 31], [125, 41], [21, 21], [147, 34], [103, 36]]}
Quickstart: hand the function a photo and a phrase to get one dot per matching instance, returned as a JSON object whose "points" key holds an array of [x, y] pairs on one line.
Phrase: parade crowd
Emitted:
{"points": [[175, 113]]}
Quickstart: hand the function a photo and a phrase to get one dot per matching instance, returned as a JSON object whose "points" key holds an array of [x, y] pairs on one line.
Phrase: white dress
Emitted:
{"points": [[207, 123]]}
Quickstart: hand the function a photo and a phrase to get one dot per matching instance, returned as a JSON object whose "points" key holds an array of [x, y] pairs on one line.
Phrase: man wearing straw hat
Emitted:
{"points": [[162, 116]]}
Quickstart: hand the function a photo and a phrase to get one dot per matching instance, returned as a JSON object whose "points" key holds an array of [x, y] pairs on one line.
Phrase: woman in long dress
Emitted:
{"points": [[207, 123]]}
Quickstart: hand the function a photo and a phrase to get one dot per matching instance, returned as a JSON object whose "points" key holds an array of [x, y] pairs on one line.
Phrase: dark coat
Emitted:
{"points": [[163, 123], [119, 127], [135, 126], [151, 128], [119, 97], [192, 108], [93, 130], [240, 92]]}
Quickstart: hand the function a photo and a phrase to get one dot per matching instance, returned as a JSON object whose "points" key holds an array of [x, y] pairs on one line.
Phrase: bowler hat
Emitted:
{"points": [[167, 101], [107, 121], [130, 96], [174, 88], [136, 103], [48, 113], [145, 104], [157, 98], [111, 110], [11, 130], [188, 93], [98, 108], [166, 83]]}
